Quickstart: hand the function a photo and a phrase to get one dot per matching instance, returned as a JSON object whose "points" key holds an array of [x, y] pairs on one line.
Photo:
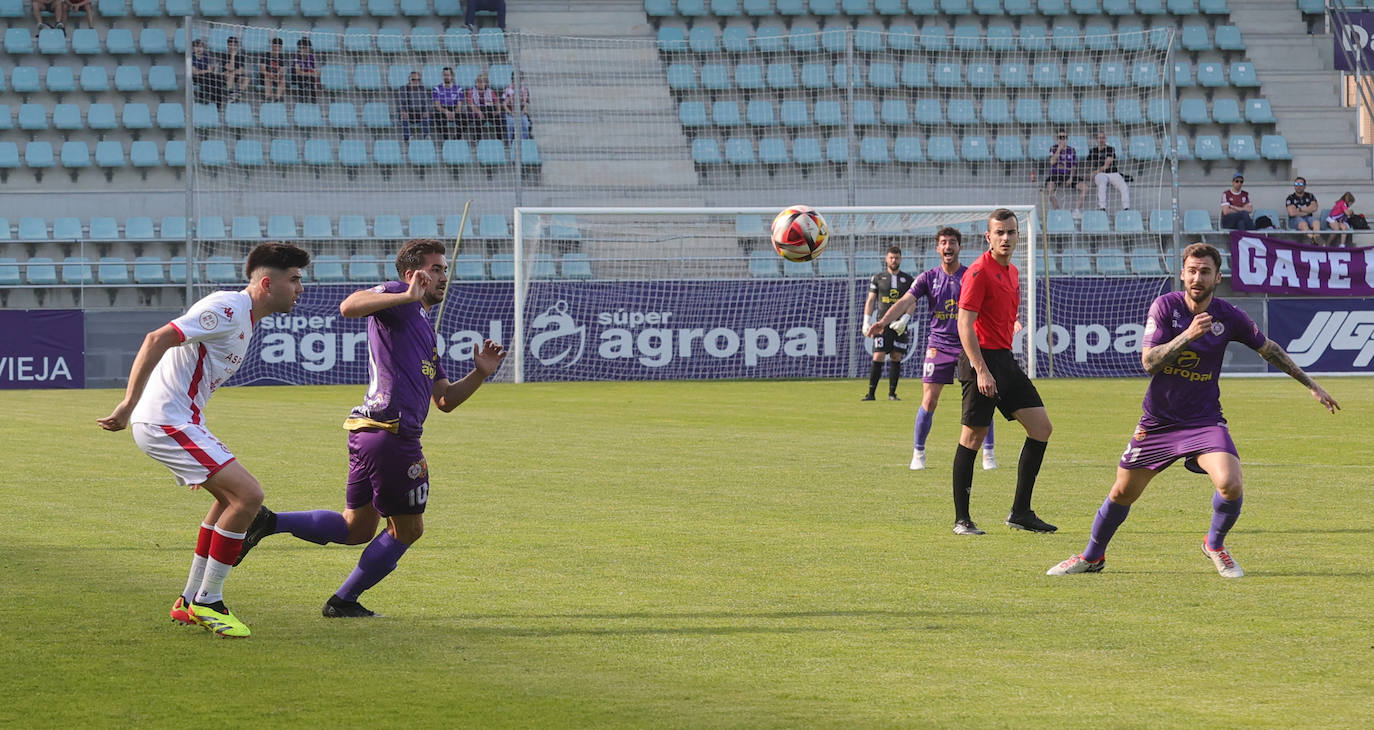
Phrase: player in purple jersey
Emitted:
{"points": [[387, 472], [1185, 340], [939, 288]]}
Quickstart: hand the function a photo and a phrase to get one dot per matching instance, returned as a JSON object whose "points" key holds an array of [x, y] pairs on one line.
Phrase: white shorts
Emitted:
{"points": [[191, 452]]}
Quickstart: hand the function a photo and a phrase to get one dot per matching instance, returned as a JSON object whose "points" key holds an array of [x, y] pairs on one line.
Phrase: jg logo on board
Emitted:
{"points": [[561, 339]]}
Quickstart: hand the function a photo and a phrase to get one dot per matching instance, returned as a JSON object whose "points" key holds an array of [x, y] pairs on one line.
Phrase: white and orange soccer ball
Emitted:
{"points": [[800, 233]]}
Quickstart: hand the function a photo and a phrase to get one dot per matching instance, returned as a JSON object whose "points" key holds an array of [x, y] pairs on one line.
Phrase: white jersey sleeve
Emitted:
{"points": [[215, 334]]}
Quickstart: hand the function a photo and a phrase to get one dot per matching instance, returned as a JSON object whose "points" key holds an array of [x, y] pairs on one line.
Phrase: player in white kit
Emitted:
{"points": [[176, 370]]}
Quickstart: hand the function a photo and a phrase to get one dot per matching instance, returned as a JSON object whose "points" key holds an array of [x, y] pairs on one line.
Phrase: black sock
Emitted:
{"points": [[894, 373], [963, 480], [875, 374], [1027, 469]]}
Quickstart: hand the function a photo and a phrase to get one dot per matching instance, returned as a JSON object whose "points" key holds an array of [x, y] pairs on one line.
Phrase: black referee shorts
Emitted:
{"points": [[1014, 390]]}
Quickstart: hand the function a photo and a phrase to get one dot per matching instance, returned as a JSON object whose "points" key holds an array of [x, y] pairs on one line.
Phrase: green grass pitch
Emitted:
{"points": [[731, 554]]}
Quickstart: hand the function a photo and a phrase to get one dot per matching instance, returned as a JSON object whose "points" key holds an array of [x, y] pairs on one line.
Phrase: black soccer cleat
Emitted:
{"points": [[868, 397], [337, 607], [892, 396], [264, 524], [1029, 522]]}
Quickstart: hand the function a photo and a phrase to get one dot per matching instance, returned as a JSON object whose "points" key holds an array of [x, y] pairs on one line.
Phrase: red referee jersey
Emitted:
{"points": [[994, 292]]}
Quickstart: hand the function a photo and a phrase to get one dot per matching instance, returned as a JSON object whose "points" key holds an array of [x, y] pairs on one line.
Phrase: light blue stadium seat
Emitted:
{"points": [[113, 271], [239, 115], [456, 152], [1182, 148], [493, 226], [353, 227], [1242, 74], [935, 38], [77, 271], [149, 270], [1228, 38], [137, 228], [1197, 221], [307, 116], [703, 39], [1226, 111], [24, 79], [376, 115], [353, 153], [283, 8], [113, 9], [1182, 7], [759, 113], [104, 229], [53, 42], [1146, 259], [1183, 74], [18, 41], [129, 79], [213, 153], [381, 8], [246, 228], [469, 267], [154, 42], [692, 114], [907, 150], [780, 77], [9, 271], [1046, 76], [1195, 38], [172, 228], [1274, 147], [706, 151], [421, 153], [996, 110], [1258, 111], [1111, 261], [59, 80], [343, 115], [387, 226], [543, 265], [1145, 75], [458, 40], [740, 151], [248, 153], [763, 265], [1062, 111], [422, 226], [1157, 111], [357, 40], [33, 229], [1210, 75], [1242, 147], [1028, 110], [451, 227], [86, 42], [424, 39], [961, 112], [491, 41], [967, 37], [940, 148], [1060, 221], [1007, 148], [284, 152], [317, 226], [144, 154], [1142, 148], [749, 76], [1194, 111], [974, 148], [75, 156], [981, 76], [491, 153], [807, 151], [1161, 221], [211, 227], [1093, 110], [63, 229], [1127, 111], [66, 117], [41, 271], [576, 265], [894, 112], [1208, 147], [94, 79], [503, 267], [671, 40], [737, 39], [928, 111], [873, 151], [38, 155], [949, 75]]}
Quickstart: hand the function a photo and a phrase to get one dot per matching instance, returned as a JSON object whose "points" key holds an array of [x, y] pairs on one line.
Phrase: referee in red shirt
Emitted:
{"points": [[992, 379]]}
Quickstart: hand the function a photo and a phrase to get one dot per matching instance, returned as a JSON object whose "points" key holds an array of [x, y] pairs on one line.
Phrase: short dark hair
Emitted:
{"points": [[950, 232], [1202, 250], [275, 255], [1001, 214], [895, 249], [1300, 177], [303, 43], [276, 41], [413, 253]]}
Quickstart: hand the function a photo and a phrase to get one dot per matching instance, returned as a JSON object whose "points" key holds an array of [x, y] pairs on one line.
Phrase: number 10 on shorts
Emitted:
{"points": [[418, 496]]}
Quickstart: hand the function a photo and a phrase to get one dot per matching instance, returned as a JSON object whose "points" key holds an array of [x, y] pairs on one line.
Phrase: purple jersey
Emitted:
{"points": [[449, 96], [1186, 392], [941, 294], [403, 365]]}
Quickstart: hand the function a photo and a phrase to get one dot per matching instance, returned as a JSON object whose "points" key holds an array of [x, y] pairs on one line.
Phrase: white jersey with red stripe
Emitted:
{"points": [[215, 333]]}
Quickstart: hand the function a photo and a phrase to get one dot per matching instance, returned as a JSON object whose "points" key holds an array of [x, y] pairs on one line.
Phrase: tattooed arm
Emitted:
{"points": [[1274, 355], [1154, 359]]}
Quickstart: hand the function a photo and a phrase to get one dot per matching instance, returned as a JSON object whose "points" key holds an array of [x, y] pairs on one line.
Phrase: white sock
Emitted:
{"points": [[197, 575], [212, 585]]}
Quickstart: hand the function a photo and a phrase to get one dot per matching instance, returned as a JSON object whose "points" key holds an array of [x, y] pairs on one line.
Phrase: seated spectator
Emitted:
{"points": [[483, 110], [1338, 220], [496, 6], [448, 117], [1236, 208], [272, 71], [304, 75], [234, 66], [205, 73], [84, 6], [1063, 167], [512, 113], [1302, 209], [1101, 170], [413, 106], [58, 8]]}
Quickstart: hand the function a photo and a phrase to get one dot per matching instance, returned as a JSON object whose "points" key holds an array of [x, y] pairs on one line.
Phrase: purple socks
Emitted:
{"points": [[319, 526], [1225, 512], [378, 560], [1109, 517], [923, 421], [987, 440]]}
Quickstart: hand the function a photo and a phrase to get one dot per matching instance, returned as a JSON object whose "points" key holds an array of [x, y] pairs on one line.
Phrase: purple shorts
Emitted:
{"points": [[1156, 450], [388, 472], [940, 366]]}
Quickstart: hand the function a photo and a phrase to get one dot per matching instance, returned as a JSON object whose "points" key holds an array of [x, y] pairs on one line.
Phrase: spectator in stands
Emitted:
{"points": [[1338, 220], [412, 106], [84, 6], [1101, 169], [235, 69], [483, 110], [496, 6], [1302, 209], [516, 111], [1063, 167], [448, 97], [305, 72], [272, 71], [205, 72], [58, 8], [1236, 208]]}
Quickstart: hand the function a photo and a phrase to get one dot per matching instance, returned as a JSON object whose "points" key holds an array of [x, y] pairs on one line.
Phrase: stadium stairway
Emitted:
{"points": [[1295, 72], [650, 151]]}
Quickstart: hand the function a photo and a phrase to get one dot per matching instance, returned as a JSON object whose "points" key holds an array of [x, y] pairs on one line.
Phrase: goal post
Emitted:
{"points": [[698, 292]]}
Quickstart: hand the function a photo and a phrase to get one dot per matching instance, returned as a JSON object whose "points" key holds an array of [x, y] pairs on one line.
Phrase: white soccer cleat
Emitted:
{"points": [[1226, 565], [989, 460], [918, 459], [1077, 564]]}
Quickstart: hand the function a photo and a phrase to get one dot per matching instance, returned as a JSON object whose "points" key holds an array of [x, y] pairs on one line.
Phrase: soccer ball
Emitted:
{"points": [[800, 233]]}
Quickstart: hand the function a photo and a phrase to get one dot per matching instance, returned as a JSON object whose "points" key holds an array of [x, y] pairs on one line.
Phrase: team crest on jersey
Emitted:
{"points": [[1218, 328], [209, 320], [1139, 433], [931, 353], [418, 470], [228, 312]]}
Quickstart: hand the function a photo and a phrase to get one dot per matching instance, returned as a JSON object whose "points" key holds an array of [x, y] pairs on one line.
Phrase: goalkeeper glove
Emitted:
{"points": [[869, 320], [901, 324]]}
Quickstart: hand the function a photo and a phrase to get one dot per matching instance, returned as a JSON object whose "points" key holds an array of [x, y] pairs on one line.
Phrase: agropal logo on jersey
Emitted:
{"points": [[561, 339], [1343, 331]]}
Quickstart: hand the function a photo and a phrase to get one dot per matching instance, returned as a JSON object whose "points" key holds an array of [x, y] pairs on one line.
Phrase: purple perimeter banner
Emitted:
{"points": [[43, 348], [1275, 266], [1325, 335], [1355, 37], [661, 330]]}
